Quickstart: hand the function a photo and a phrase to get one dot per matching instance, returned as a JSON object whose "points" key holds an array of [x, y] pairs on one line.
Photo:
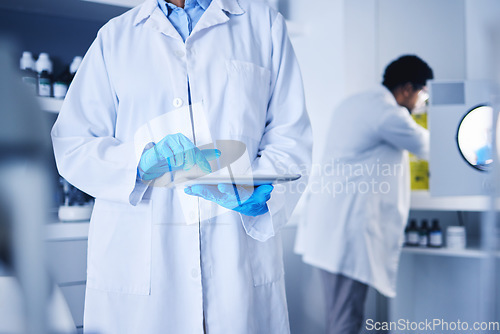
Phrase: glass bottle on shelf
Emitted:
{"points": [[424, 234], [28, 73], [44, 69], [435, 235], [411, 233]]}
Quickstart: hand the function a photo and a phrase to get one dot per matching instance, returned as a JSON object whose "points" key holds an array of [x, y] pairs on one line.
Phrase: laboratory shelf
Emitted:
{"points": [[50, 104], [67, 231], [422, 200], [463, 253]]}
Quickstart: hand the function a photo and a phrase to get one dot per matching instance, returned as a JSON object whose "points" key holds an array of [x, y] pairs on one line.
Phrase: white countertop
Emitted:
{"points": [[422, 200], [463, 253]]}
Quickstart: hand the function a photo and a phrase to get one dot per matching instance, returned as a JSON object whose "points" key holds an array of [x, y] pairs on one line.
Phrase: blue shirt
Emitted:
{"points": [[184, 19]]}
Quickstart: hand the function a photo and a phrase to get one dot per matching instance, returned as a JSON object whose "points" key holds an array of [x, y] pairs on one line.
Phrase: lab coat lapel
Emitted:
{"points": [[155, 19], [217, 13]]}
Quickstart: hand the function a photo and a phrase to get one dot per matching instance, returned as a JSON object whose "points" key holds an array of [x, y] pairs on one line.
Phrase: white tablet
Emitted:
{"points": [[243, 180]]}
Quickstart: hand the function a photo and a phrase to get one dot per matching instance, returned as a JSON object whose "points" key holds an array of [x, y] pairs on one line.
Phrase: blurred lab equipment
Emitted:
{"points": [[461, 121], [25, 285], [76, 206]]}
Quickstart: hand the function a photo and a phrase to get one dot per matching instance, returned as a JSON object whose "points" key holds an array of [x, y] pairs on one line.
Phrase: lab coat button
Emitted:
{"points": [[195, 273], [179, 53], [177, 102]]}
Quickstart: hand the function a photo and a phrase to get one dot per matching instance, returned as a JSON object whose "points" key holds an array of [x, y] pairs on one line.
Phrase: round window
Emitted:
{"points": [[474, 137]]}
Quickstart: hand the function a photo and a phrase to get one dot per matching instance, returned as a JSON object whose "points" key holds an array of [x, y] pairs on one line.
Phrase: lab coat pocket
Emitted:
{"points": [[247, 97], [119, 253], [265, 260]]}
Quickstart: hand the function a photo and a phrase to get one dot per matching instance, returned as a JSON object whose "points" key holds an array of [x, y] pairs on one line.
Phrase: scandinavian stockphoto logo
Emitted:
{"points": [[336, 177]]}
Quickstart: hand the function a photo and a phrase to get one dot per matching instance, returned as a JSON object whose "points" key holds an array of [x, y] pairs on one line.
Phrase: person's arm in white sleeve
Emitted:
{"points": [[286, 146], [87, 153], [399, 129]]}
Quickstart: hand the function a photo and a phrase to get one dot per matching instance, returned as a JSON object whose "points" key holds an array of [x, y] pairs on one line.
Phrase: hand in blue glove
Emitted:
{"points": [[174, 152], [250, 201]]}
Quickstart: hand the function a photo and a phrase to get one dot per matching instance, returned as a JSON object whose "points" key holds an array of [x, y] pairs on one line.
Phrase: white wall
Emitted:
{"points": [[453, 36], [482, 21], [318, 42], [360, 45], [378, 31], [433, 30], [320, 54]]}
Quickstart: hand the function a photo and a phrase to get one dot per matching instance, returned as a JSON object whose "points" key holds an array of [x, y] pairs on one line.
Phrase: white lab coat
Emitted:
{"points": [[359, 199], [149, 271]]}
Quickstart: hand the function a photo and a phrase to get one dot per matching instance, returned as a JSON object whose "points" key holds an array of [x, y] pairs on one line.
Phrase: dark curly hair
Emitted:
{"points": [[407, 69]]}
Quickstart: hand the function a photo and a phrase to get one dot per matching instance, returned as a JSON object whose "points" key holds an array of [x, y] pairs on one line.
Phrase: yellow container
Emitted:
{"points": [[419, 168]]}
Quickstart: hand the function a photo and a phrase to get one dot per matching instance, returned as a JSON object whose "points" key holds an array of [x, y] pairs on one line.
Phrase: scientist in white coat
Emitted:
{"points": [[360, 196], [158, 82]]}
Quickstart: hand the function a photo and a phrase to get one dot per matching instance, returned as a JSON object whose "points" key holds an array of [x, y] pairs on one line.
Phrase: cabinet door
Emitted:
{"points": [[75, 297], [67, 261]]}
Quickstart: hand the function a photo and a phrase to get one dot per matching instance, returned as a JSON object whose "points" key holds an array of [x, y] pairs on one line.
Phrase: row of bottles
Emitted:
{"points": [[423, 235], [38, 75]]}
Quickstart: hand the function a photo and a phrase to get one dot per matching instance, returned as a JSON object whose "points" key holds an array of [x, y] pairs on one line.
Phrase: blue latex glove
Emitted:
{"points": [[250, 201], [172, 153]]}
